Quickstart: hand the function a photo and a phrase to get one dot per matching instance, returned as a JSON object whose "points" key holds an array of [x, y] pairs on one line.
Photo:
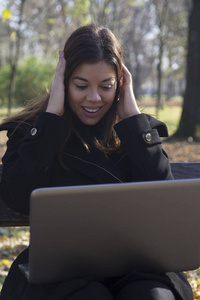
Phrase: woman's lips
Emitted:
{"points": [[92, 109]]}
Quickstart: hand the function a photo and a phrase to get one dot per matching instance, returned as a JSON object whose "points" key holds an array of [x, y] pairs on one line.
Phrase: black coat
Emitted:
{"points": [[31, 161]]}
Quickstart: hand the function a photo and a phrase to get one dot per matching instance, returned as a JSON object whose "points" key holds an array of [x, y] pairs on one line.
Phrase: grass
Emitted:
{"points": [[169, 115], [4, 112]]}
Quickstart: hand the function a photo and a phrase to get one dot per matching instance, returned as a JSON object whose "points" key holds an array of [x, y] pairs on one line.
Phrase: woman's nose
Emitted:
{"points": [[94, 95]]}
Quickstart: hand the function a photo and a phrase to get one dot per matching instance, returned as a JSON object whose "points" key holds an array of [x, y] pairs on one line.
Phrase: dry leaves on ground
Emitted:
{"points": [[12, 242], [182, 151]]}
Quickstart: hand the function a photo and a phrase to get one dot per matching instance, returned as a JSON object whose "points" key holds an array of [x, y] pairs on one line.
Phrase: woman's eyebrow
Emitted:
{"points": [[80, 78], [83, 79], [109, 79]]}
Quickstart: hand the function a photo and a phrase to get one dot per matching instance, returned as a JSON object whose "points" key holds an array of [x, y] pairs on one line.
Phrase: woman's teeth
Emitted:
{"points": [[91, 110]]}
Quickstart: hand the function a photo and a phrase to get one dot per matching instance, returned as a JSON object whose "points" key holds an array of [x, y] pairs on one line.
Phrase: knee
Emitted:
{"points": [[162, 293], [94, 290], [146, 290]]}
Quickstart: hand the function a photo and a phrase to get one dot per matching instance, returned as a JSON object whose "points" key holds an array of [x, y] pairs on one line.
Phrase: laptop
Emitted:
{"points": [[111, 230]]}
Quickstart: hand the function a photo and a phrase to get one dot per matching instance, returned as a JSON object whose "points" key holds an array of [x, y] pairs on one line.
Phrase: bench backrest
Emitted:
{"points": [[9, 218]]}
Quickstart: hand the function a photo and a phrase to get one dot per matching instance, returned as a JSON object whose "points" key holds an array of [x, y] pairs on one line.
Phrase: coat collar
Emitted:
{"points": [[101, 172], [93, 163]]}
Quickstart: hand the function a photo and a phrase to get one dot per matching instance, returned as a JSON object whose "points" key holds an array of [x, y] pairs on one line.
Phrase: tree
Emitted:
{"points": [[162, 10], [138, 52], [189, 125], [14, 57], [47, 24]]}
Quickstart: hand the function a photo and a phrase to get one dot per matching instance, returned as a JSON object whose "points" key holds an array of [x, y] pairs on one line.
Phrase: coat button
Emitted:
{"points": [[148, 137], [33, 131]]}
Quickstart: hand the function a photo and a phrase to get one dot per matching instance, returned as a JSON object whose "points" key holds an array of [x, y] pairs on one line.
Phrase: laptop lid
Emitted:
{"points": [[111, 230]]}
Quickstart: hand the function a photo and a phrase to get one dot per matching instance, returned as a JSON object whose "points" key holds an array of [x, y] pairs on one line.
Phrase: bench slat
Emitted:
{"points": [[8, 218], [186, 170]]}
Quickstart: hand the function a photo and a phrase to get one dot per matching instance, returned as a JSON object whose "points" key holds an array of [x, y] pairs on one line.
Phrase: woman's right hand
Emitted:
{"points": [[57, 93], [127, 105]]}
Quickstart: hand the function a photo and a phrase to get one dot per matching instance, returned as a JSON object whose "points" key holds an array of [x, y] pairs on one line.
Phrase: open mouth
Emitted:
{"points": [[91, 110]]}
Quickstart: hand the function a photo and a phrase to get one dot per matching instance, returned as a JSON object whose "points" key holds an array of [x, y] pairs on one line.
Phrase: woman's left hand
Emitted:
{"points": [[57, 94], [127, 105]]}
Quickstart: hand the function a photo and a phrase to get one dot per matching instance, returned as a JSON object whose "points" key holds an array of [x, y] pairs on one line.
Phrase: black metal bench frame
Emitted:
{"points": [[8, 218]]}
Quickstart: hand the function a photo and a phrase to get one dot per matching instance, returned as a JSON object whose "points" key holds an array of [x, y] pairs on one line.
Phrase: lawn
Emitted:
{"points": [[14, 240], [169, 115]]}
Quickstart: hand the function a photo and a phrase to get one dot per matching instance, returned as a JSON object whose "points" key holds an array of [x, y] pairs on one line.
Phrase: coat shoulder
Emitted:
{"points": [[156, 124], [19, 126]]}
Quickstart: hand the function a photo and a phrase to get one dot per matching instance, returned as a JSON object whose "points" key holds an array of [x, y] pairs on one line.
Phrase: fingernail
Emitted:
{"points": [[61, 53]]}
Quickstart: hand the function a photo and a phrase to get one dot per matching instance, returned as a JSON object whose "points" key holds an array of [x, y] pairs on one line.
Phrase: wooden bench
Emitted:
{"points": [[8, 218]]}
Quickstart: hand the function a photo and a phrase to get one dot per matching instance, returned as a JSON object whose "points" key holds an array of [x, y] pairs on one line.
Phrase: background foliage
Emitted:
{"points": [[33, 78], [153, 34]]}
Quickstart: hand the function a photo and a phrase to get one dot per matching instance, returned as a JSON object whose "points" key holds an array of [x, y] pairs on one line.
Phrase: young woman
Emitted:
{"points": [[89, 130]]}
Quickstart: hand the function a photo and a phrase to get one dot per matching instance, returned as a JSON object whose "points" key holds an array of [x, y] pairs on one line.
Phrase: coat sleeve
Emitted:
{"points": [[140, 139], [28, 158]]}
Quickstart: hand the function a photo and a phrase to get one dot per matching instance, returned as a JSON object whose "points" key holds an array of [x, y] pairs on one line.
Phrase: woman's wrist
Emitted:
{"points": [[131, 114], [54, 111]]}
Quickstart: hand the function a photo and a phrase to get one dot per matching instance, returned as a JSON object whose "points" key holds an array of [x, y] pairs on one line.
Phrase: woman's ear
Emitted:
{"points": [[117, 90], [121, 81]]}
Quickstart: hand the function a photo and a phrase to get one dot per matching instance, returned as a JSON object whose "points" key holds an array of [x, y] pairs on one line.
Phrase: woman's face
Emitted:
{"points": [[91, 91]]}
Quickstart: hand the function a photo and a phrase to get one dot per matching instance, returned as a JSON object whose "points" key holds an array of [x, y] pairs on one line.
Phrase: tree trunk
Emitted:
{"points": [[14, 59], [159, 104], [189, 125], [137, 78]]}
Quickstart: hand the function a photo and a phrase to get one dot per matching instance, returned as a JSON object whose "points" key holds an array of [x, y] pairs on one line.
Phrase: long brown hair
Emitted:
{"points": [[87, 44]]}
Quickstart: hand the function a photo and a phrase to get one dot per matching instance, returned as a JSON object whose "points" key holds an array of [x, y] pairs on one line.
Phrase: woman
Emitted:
{"points": [[89, 130]]}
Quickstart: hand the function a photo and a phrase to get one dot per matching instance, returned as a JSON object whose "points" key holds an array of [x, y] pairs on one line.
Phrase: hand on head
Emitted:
{"points": [[57, 94], [127, 105]]}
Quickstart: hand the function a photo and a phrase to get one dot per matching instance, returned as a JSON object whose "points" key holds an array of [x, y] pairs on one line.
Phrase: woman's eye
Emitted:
{"points": [[81, 87], [107, 87]]}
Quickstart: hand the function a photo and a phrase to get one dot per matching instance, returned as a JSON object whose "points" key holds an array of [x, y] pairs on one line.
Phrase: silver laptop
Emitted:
{"points": [[111, 230]]}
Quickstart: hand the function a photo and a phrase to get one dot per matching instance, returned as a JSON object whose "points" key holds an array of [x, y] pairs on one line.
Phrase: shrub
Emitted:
{"points": [[33, 77]]}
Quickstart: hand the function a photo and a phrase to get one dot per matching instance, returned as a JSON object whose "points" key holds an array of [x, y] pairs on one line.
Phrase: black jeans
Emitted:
{"points": [[138, 290]]}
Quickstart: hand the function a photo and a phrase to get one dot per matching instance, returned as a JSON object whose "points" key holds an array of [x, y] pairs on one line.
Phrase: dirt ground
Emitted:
{"points": [[183, 151]]}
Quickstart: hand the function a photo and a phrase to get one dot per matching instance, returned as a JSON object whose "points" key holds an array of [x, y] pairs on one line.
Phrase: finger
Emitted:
{"points": [[61, 62], [61, 53], [127, 77], [125, 70]]}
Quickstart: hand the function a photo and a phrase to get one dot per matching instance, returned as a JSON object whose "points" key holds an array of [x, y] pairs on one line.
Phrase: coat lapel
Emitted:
{"points": [[105, 171], [93, 164]]}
